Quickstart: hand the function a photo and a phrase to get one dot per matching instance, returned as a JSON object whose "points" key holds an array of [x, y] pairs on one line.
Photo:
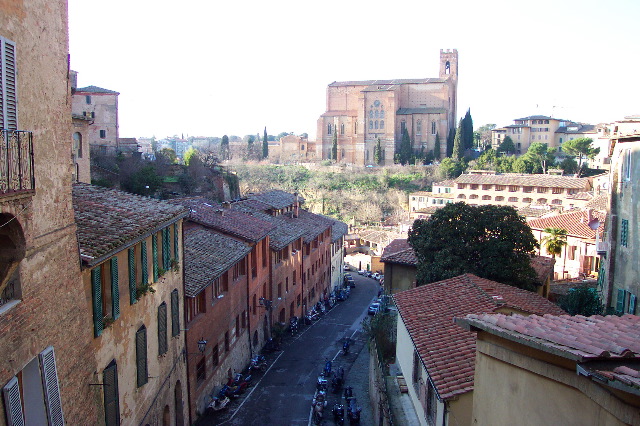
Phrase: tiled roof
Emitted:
{"points": [[581, 128], [96, 89], [277, 199], [109, 220], [378, 237], [446, 350], [399, 251], [536, 117], [584, 196], [547, 181], [575, 337], [576, 223], [543, 266], [383, 82], [535, 212], [225, 220], [311, 225], [626, 377], [207, 255], [447, 183], [599, 203]]}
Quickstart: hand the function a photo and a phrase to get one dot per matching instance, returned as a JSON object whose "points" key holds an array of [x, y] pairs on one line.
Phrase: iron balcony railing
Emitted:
{"points": [[16, 162]]}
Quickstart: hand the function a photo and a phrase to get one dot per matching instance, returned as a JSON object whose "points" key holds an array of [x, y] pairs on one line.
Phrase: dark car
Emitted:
{"points": [[348, 280]]}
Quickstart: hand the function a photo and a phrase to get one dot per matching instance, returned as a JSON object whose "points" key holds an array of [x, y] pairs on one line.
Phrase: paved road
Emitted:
{"points": [[282, 396]]}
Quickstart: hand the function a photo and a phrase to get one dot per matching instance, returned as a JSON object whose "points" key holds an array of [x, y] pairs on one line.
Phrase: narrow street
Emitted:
{"points": [[283, 394]]}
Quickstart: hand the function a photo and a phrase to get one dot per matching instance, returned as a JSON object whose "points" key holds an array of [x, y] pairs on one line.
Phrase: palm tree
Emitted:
{"points": [[555, 239]]}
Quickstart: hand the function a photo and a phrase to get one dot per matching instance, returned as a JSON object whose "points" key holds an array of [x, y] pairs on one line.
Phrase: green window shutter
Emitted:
{"points": [[154, 256], [145, 264], [96, 290], [624, 232], [166, 248], [601, 277], [632, 304], [175, 313], [111, 399], [142, 375], [176, 253], [620, 301], [133, 298], [162, 329], [115, 289]]}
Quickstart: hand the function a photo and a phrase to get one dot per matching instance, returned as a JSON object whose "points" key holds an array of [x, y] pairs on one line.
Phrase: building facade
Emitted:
{"points": [[100, 106], [359, 113]]}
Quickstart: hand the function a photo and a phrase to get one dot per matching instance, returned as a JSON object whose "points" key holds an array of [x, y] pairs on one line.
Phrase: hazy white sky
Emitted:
{"points": [[208, 68]]}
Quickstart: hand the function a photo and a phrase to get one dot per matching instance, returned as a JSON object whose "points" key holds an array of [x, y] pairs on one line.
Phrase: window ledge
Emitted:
{"points": [[8, 306]]}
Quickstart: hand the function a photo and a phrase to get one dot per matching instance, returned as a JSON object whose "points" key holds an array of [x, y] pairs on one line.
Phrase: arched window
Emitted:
{"points": [[462, 196], [419, 127], [77, 144], [179, 405], [371, 113], [486, 197], [370, 124], [376, 124], [382, 124], [12, 250], [377, 113], [381, 113], [342, 128], [499, 198], [447, 68], [473, 196], [328, 129], [433, 127], [527, 200], [542, 201], [513, 199]]}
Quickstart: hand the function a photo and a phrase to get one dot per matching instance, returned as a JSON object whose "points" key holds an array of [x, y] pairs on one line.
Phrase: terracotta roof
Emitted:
{"points": [[109, 220], [446, 183], [228, 221], [576, 223], [600, 203], [276, 199], [547, 181], [281, 234], [378, 237], [446, 350], [311, 225], [626, 377], [96, 89], [532, 212], [207, 255], [399, 251], [543, 266], [584, 196], [575, 337]]}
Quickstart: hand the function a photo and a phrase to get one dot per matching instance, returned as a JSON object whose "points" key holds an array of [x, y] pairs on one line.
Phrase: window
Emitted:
{"points": [[527, 189], [176, 251], [142, 375], [499, 188], [342, 128], [133, 289], [419, 127], [144, 263], [486, 197], [572, 252], [103, 134], [35, 388], [433, 127], [111, 399], [370, 124], [154, 256], [162, 329], [513, 199], [328, 129], [542, 201], [175, 313], [626, 165], [105, 294], [238, 270], [403, 126], [279, 290], [473, 196], [556, 201], [195, 306], [215, 358], [527, 200], [166, 249], [474, 186], [382, 124], [542, 190], [77, 144], [557, 190], [201, 371], [624, 232], [484, 187], [513, 188], [499, 198]]}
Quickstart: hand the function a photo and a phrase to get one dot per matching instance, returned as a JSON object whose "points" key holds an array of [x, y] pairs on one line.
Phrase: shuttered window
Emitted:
{"points": [[632, 304], [51, 387], [13, 403], [8, 86], [111, 399], [144, 263], [154, 256], [624, 232], [620, 301], [162, 329], [175, 313], [115, 289], [96, 291], [176, 253], [133, 298], [166, 248], [141, 356]]}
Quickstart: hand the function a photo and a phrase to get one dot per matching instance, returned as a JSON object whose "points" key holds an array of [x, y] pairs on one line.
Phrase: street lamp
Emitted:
{"points": [[202, 345], [268, 304]]}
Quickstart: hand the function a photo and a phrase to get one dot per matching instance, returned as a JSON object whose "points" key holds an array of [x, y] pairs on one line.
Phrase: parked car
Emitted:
{"points": [[375, 276], [350, 281], [362, 272], [374, 308], [346, 267]]}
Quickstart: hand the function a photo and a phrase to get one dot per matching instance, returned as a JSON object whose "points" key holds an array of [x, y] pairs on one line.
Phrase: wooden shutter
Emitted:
{"points": [[12, 403], [50, 387], [154, 256], [175, 313], [115, 289], [620, 301], [166, 248], [111, 398], [96, 289], [176, 253], [632, 304], [143, 261], [141, 356], [133, 296], [8, 86], [162, 329]]}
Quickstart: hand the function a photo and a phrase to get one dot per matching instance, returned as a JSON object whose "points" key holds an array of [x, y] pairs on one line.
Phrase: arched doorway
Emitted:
{"points": [[166, 416], [179, 404], [12, 251]]}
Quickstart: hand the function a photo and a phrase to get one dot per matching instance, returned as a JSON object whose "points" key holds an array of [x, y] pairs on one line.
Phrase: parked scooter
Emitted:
{"points": [[318, 404], [258, 362], [348, 393], [243, 382], [345, 346], [338, 380], [271, 345], [218, 404], [327, 368], [338, 414], [353, 411], [293, 325], [229, 391], [322, 384]]}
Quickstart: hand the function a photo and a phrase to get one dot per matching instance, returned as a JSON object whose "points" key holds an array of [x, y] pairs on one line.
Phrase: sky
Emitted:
{"points": [[209, 68]]}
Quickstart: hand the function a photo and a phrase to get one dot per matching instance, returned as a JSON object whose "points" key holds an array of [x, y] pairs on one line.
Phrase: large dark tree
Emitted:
{"points": [[265, 144], [458, 147], [436, 147], [334, 145], [507, 146], [490, 241], [377, 152], [467, 131], [450, 138], [405, 152], [224, 148]]}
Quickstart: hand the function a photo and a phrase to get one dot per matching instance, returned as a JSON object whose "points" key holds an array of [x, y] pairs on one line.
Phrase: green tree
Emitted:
{"points": [[554, 241], [507, 146], [265, 144], [451, 169], [540, 153], [224, 148], [169, 154], [190, 153], [467, 131], [334, 145], [143, 182], [581, 148], [582, 300], [490, 241], [436, 147], [250, 146], [405, 152], [569, 166], [450, 139], [377, 152], [458, 147]]}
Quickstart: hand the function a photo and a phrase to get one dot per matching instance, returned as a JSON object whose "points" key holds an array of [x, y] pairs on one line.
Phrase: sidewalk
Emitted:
{"points": [[358, 379]]}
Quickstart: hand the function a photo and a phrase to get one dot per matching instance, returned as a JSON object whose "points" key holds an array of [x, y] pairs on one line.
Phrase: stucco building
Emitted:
{"points": [[100, 107], [359, 113]]}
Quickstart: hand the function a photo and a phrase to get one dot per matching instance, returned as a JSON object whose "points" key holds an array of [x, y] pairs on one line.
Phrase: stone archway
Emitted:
{"points": [[179, 405], [12, 251]]}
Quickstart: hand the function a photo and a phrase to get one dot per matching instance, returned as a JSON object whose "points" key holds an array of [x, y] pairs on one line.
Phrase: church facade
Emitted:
{"points": [[359, 113]]}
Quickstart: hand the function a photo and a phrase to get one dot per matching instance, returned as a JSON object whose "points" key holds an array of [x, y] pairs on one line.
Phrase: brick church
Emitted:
{"points": [[361, 112]]}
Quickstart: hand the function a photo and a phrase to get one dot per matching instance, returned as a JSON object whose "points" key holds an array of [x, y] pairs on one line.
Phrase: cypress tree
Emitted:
{"points": [[377, 152], [450, 136], [265, 145], [224, 147], [405, 148], [334, 145], [458, 148], [467, 131], [436, 147]]}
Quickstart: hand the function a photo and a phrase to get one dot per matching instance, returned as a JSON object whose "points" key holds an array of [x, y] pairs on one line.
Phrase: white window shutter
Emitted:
{"points": [[8, 85], [12, 403], [50, 387]]}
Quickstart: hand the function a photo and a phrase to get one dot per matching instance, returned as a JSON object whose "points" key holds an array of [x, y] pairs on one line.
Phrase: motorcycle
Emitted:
{"points": [[345, 347], [338, 414], [338, 380], [243, 382], [258, 362], [293, 325], [318, 404], [348, 393], [353, 411], [321, 384], [271, 345], [229, 391], [327, 368], [218, 404]]}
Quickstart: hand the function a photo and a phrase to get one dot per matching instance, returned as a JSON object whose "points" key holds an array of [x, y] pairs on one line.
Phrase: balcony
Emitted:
{"points": [[16, 162], [602, 247]]}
